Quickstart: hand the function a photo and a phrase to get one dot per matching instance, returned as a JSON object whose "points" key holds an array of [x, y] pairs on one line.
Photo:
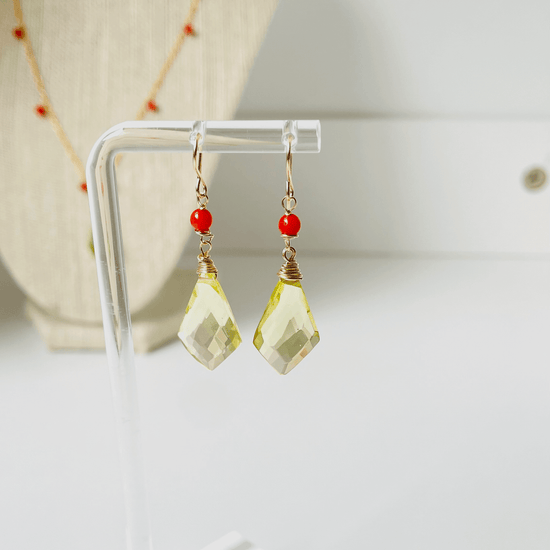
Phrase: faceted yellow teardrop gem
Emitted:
{"points": [[287, 330], [208, 330]]}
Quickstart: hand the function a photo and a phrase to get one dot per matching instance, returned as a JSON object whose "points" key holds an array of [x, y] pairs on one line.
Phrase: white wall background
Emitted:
{"points": [[397, 58], [432, 113]]}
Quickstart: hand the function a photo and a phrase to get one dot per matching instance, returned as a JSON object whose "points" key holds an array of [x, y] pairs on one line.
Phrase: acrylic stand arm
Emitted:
{"points": [[216, 137]]}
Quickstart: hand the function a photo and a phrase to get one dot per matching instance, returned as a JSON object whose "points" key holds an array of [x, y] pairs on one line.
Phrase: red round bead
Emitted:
{"points": [[152, 106], [18, 32], [84, 187], [201, 220], [40, 110], [289, 225], [188, 29]]}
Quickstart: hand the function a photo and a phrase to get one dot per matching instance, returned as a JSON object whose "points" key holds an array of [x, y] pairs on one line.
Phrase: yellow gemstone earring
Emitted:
{"points": [[208, 331], [287, 331]]}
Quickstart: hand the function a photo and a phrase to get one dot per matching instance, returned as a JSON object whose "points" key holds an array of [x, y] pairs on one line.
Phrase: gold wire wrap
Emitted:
{"points": [[206, 265], [290, 271]]}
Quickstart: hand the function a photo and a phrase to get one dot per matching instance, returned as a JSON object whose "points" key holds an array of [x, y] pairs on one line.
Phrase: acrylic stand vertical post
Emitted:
{"points": [[216, 137]]}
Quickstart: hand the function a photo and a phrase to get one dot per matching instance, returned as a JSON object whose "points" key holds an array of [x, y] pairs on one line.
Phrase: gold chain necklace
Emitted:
{"points": [[45, 108]]}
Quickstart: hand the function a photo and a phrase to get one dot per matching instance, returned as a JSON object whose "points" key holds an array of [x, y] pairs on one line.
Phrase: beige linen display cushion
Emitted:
{"points": [[98, 63]]}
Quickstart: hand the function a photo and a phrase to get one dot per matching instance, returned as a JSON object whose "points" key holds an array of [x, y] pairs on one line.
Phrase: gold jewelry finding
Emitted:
{"points": [[290, 270], [206, 264]]}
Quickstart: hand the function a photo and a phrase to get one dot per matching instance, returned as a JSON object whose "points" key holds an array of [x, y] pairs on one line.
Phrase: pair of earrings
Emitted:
{"points": [[286, 332]]}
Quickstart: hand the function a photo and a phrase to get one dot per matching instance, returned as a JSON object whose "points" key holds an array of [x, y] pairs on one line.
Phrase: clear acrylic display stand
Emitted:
{"points": [[216, 137]]}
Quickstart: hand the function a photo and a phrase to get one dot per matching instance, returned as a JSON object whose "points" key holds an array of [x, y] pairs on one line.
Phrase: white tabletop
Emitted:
{"points": [[421, 420]]}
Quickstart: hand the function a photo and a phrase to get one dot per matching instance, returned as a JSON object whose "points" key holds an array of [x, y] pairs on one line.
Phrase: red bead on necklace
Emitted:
{"points": [[46, 110]]}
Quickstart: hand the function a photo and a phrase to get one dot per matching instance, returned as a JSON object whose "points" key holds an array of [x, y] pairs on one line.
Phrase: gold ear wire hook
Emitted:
{"points": [[289, 185], [289, 201], [197, 154], [201, 190]]}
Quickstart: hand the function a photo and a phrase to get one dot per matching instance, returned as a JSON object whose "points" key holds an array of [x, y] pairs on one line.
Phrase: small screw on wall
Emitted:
{"points": [[535, 178]]}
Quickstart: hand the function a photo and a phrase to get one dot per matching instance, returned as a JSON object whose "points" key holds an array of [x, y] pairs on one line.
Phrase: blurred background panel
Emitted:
{"points": [[433, 114], [403, 59]]}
